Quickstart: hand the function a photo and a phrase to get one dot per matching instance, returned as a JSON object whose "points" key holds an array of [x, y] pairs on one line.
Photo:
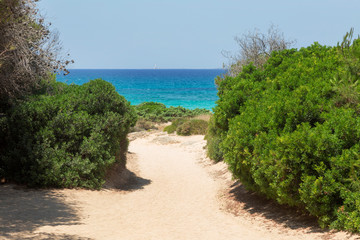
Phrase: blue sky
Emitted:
{"points": [[134, 34]]}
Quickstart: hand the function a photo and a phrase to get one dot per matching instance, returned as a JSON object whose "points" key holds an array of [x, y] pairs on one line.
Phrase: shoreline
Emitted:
{"points": [[194, 88]]}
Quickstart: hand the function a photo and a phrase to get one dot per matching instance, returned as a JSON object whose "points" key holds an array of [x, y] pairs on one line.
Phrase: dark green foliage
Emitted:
{"points": [[214, 136], [187, 127], [174, 125], [158, 112], [67, 138], [291, 131]]}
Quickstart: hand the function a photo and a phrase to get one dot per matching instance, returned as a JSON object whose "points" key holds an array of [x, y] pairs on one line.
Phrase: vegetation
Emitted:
{"points": [[68, 137], [158, 112], [29, 52], [255, 47], [187, 127], [287, 121], [183, 119], [290, 130], [52, 134]]}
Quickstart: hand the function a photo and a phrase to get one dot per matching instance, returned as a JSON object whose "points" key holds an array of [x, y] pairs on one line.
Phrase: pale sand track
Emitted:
{"points": [[175, 193]]}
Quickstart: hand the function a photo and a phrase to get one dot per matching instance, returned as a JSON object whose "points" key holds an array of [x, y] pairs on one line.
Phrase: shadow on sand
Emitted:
{"points": [[121, 178], [290, 217], [24, 210], [134, 182]]}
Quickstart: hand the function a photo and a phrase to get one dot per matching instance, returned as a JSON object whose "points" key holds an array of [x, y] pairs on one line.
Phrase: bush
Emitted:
{"points": [[142, 124], [192, 127], [187, 127], [68, 138], [174, 125], [213, 138], [158, 112], [290, 131]]}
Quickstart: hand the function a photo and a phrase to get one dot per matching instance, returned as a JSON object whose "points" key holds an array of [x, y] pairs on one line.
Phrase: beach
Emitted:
{"points": [[170, 190]]}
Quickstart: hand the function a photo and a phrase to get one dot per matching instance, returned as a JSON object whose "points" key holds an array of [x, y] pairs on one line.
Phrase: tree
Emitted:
{"points": [[256, 47], [29, 51]]}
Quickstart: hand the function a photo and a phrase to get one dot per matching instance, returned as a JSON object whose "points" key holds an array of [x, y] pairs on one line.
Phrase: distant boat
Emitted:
{"points": [[155, 67]]}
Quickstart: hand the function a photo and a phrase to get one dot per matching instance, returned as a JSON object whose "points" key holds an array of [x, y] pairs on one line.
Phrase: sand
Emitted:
{"points": [[170, 191]]}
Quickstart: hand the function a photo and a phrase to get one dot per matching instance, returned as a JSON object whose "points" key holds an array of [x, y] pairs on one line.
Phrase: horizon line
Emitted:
{"points": [[146, 69]]}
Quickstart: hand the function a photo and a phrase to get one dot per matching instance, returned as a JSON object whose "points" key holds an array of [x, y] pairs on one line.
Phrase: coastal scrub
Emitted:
{"points": [[67, 137], [290, 130]]}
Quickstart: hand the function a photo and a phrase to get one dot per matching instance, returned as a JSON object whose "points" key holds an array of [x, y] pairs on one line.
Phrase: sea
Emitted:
{"points": [[189, 88]]}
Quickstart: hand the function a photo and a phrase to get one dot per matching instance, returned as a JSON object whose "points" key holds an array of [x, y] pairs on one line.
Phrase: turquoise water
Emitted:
{"points": [[190, 88]]}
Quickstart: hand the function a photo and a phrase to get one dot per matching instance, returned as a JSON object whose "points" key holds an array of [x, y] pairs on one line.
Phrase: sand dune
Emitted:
{"points": [[173, 192]]}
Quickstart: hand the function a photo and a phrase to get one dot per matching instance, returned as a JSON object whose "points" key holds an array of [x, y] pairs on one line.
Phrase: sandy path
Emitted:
{"points": [[176, 194]]}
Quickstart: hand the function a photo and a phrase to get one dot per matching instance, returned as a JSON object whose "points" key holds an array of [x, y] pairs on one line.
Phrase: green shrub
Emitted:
{"points": [[174, 125], [187, 127], [68, 138], [290, 131], [192, 127], [158, 112], [150, 111], [213, 138], [170, 129]]}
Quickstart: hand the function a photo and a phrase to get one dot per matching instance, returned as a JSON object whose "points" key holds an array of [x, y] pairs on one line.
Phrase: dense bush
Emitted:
{"points": [[192, 127], [68, 137], [291, 131], [187, 127], [174, 124], [158, 112]]}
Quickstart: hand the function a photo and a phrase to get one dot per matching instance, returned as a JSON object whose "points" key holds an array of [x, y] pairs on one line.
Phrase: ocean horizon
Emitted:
{"points": [[189, 88]]}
